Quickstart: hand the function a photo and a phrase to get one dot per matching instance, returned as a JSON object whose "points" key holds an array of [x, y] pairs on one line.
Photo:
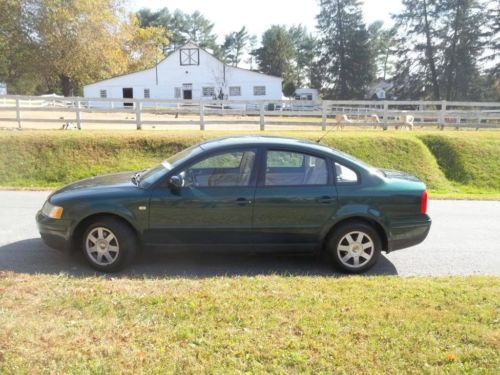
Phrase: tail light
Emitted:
{"points": [[423, 203]]}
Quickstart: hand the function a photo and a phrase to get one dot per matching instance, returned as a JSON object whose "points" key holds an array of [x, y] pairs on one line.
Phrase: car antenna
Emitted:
{"points": [[324, 135]]}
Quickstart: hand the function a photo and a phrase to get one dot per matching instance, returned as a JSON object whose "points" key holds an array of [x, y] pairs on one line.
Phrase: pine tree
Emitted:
{"points": [[305, 45], [182, 26], [419, 34], [345, 49], [235, 45], [277, 53], [462, 48]]}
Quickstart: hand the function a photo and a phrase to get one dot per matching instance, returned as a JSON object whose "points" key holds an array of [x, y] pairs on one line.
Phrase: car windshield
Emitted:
{"points": [[148, 177]]}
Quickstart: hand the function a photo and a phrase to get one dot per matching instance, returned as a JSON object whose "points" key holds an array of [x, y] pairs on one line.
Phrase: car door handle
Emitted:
{"points": [[326, 199], [243, 201]]}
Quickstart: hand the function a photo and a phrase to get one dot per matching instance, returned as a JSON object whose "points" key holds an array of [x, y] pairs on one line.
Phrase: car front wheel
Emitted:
{"points": [[354, 247], [109, 245]]}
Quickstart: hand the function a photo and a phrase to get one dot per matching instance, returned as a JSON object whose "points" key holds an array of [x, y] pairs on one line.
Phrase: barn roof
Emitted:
{"points": [[189, 43]]}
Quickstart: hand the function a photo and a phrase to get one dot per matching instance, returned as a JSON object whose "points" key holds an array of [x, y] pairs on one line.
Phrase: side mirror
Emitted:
{"points": [[175, 183]]}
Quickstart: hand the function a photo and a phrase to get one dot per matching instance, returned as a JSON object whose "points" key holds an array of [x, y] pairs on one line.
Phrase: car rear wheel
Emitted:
{"points": [[109, 245], [354, 247]]}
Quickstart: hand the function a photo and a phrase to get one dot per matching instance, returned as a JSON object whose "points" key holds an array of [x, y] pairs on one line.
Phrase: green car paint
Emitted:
{"points": [[292, 217]]}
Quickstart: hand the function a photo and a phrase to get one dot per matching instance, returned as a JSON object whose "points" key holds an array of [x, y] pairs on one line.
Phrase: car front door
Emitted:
{"points": [[294, 199], [214, 205]]}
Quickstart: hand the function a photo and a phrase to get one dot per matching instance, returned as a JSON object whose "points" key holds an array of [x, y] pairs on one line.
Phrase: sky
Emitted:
{"points": [[258, 15]]}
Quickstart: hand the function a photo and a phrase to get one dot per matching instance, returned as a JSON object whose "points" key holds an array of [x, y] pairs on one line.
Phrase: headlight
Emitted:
{"points": [[52, 211]]}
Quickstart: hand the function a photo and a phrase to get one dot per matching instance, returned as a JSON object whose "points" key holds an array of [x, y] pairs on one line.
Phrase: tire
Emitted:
{"points": [[109, 244], [354, 247]]}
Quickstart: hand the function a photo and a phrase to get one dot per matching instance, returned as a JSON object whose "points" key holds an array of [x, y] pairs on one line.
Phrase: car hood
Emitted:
{"points": [[115, 180]]}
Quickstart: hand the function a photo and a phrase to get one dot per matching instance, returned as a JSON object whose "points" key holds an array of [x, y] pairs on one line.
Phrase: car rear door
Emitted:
{"points": [[294, 199]]}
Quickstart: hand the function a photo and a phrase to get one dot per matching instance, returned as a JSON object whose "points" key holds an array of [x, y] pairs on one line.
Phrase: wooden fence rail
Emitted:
{"points": [[83, 111]]}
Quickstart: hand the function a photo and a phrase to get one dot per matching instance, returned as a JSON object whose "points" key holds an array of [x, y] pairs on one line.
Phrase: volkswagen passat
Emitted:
{"points": [[242, 193]]}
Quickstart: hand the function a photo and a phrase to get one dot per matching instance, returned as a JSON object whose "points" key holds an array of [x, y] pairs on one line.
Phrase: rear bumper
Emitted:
{"points": [[55, 233], [407, 234]]}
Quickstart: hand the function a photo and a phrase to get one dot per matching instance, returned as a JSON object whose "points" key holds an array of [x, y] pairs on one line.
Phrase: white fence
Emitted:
{"points": [[36, 110]]}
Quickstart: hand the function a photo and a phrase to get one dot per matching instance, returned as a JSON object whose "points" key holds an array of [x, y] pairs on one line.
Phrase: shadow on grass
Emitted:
{"points": [[32, 256]]}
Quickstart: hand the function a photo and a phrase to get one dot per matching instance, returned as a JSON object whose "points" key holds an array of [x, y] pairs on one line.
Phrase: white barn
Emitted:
{"points": [[189, 73]]}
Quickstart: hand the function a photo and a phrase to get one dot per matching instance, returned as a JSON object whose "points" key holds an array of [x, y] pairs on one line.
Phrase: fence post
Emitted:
{"points": [[18, 113], [78, 115], [138, 115], [262, 120], [442, 115], [202, 116], [386, 115], [323, 115]]}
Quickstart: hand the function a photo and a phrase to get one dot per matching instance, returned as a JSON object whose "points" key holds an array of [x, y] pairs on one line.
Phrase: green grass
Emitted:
{"points": [[452, 164], [264, 324]]}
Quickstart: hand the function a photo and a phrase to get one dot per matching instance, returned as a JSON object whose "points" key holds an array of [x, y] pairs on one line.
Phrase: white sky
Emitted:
{"points": [[258, 15]]}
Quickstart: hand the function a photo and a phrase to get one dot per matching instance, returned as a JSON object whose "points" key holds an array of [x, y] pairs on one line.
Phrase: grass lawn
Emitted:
{"points": [[263, 324], [453, 164]]}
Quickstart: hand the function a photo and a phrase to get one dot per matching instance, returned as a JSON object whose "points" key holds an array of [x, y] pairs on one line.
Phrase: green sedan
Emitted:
{"points": [[248, 193]]}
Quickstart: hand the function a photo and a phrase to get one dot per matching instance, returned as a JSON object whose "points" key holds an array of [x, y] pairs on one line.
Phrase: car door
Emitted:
{"points": [[214, 205], [294, 199]]}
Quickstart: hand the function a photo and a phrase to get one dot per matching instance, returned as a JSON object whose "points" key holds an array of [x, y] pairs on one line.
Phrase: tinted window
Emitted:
{"points": [[345, 175], [227, 169], [285, 168]]}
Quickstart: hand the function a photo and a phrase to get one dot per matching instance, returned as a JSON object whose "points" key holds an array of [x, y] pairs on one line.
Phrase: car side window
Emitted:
{"points": [[345, 175], [227, 169], [287, 168]]}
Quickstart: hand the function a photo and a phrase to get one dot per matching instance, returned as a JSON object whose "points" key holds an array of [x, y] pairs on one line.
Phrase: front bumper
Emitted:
{"points": [[55, 233], [409, 233]]}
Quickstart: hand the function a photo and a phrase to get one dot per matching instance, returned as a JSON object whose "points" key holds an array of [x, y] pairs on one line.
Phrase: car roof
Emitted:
{"points": [[259, 140]]}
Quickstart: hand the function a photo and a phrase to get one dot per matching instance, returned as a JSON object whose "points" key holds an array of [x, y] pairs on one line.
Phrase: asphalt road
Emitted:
{"points": [[464, 240]]}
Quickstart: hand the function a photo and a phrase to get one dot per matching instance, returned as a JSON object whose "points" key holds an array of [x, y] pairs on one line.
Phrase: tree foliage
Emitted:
{"points": [[183, 27], [277, 52], [382, 44], [63, 44], [437, 49], [235, 45], [344, 47], [440, 43]]}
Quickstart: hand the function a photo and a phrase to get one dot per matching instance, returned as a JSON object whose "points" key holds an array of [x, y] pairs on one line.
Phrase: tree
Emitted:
{"points": [[183, 27], [491, 78], [144, 46], [441, 42], [305, 45], [235, 45], [275, 56], [418, 26], [382, 44], [345, 50], [17, 47], [462, 48], [289, 89], [59, 45]]}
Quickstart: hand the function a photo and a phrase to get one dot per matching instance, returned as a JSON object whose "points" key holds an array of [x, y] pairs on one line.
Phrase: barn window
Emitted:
{"points": [[259, 90], [177, 92], [147, 94], [208, 92], [190, 56], [235, 91], [103, 94]]}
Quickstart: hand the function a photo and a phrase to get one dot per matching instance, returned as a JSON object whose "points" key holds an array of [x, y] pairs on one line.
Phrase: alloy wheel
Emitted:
{"points": [[102, 246], [355, 249]]}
